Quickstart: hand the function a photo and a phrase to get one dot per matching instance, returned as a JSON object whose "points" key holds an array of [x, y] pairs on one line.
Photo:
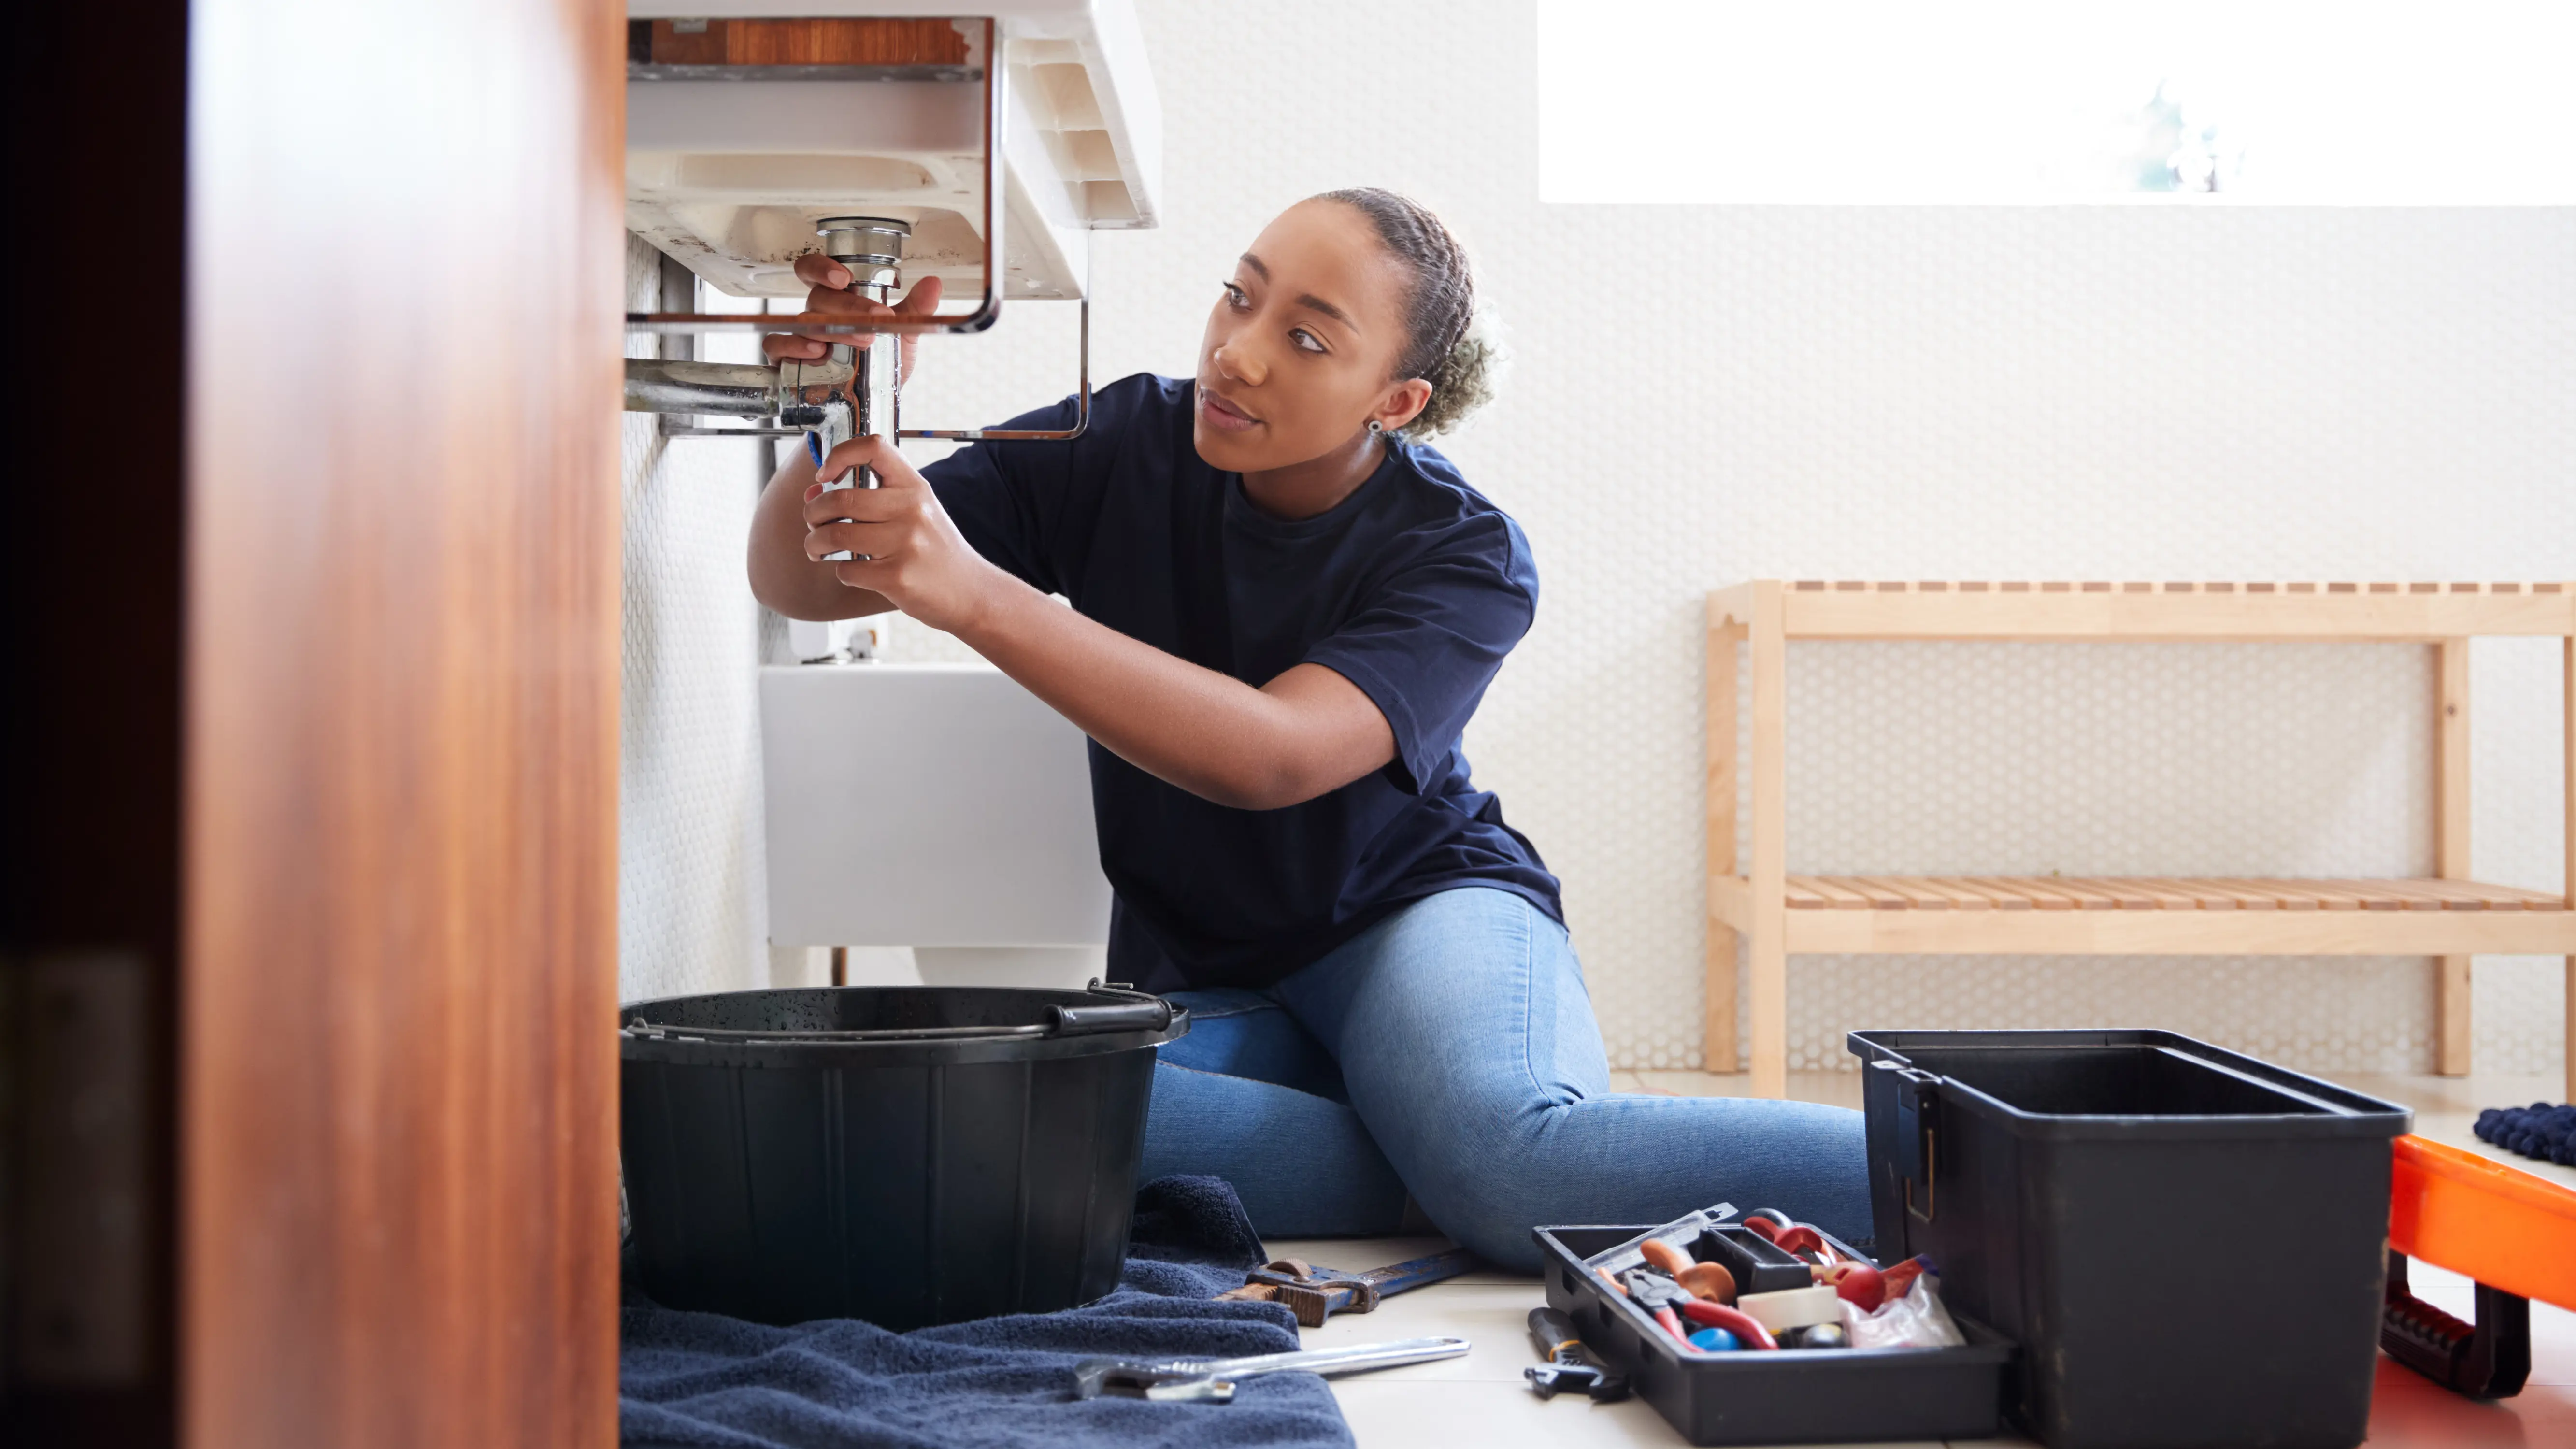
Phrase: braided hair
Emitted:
{"points": [[1442, 347]]}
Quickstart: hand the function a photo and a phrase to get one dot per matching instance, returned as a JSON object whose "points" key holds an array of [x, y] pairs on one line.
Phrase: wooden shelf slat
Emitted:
{"points": [[1961, 898], [2165, 893], [2124, 895], [2167, 915], [1883, 897], [2282, 898], [2408, 894], [2146, 895], [2138, 610], [2157, 893], [1913, 894], [2087, 897], [2461, 896], [2001, 900], [2265, 895], [1803, 899], [2035, 891], [2357, 892], [2210, 895], [1833, 893]]}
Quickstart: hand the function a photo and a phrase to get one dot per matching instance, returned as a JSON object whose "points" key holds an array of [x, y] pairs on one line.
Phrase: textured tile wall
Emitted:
{"points": [[691, 902], [1706, 394]]}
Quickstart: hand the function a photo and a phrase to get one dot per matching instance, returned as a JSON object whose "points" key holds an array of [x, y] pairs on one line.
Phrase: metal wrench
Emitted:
{"points": [[1212, 1380]]}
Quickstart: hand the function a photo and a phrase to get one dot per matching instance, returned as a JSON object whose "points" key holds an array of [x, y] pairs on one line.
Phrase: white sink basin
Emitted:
{"points": [[728, 175]]}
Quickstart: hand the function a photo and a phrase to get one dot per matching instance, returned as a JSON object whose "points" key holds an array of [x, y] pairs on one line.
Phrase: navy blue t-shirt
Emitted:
{"points": [[1413, 588]]}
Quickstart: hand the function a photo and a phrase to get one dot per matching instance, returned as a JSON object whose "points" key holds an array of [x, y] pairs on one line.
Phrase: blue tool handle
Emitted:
{"points": [[814, 448], [1419, 1271]]}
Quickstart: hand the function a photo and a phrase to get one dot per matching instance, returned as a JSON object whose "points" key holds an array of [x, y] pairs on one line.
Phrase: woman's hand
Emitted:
{"points": [[830, 282], [913, 553]]}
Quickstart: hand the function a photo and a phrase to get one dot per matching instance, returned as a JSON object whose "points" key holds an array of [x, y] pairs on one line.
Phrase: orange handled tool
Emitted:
{"points": [[2514, 1233]]}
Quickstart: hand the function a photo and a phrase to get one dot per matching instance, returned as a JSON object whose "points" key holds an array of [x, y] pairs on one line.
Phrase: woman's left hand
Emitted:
{"points": [[914, 555]]}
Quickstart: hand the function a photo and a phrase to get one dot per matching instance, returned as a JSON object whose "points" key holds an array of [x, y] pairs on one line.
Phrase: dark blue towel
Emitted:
{"points": [[2539, 1130], [697, 1378]]}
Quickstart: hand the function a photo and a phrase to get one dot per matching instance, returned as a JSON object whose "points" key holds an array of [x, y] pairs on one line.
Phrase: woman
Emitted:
{"points": [[1285, 608]]}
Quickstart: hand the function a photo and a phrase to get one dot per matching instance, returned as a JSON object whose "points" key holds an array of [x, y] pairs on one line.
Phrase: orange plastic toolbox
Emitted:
{"points": [[2513, 1232]]}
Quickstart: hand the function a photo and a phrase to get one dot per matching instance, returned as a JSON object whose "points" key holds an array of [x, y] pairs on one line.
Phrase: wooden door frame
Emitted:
{"points": [[314, 576]]}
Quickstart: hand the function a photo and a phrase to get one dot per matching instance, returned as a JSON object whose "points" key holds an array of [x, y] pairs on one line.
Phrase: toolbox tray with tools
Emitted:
{"points": [[1789, 1396]]}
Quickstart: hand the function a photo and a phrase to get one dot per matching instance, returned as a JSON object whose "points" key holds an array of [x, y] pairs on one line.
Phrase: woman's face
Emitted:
{"points": [[1301, 347]]}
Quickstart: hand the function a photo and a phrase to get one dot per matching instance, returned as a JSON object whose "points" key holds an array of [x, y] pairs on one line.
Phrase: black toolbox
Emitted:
{"points": [[2187, 1244], [1793, 1396]]}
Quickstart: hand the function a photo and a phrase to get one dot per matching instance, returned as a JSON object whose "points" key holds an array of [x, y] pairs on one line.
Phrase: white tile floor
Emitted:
{"points": [[1481, 1399]]}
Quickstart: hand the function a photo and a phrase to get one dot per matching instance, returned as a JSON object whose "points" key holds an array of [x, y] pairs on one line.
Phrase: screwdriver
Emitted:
{"points": [[1568, 1367]]}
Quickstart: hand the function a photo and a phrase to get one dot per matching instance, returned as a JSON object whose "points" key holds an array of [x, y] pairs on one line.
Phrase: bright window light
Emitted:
{"points": [[2468, 102]]}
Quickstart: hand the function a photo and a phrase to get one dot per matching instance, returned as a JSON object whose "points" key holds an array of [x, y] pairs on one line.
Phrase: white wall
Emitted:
{"points": [[691, 902], [1707, 394]]}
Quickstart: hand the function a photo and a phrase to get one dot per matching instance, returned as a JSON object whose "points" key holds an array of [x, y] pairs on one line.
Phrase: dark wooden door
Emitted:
{"points": [[90, 671], [396, 1085]]}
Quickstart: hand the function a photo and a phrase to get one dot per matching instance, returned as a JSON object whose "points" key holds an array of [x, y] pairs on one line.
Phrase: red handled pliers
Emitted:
{"points": [[1659, 1296], [1670, 1303], [1748, 1330]]}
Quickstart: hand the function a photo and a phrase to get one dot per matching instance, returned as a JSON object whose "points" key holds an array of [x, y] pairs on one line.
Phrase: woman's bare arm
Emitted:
{"points": [[782, 575], [1302, 734]]}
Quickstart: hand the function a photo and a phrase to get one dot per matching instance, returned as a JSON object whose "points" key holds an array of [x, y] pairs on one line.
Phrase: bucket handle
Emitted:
{"points": [[1133, 1011], [1138, 1011]]}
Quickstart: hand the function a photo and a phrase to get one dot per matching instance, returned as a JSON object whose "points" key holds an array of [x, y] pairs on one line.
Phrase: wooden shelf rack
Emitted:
{"points": [[2448, 917]]}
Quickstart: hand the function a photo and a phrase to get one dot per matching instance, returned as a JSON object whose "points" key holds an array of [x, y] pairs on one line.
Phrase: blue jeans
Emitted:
{"points": [[1449, 1052]]}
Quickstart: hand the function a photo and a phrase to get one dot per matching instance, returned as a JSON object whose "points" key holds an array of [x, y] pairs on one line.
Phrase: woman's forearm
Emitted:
{"points": [[1307, 732], [1209, 734], [782, 576]]}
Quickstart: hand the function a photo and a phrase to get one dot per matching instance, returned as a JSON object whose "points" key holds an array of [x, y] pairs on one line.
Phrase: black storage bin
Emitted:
{"points": [[906, 1155], [1792, 1396], [2188, 1244]]}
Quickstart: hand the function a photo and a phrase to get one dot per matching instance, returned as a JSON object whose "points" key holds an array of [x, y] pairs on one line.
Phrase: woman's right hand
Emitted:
{"points": [[830, 293]]}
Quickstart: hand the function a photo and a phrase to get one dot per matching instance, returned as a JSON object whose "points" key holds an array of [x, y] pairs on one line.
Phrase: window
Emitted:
{"points": [[1979, 101]]}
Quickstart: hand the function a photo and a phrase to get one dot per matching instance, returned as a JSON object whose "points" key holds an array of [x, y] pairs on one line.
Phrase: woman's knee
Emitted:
{"points": [[1496, 1227], [1245, 1034], [1302, 1165], [1489, 1182]]}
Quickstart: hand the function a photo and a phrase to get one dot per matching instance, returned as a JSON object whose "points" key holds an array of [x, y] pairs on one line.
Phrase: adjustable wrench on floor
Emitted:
{"points": [[1315, 1294], [1212, 1380]]}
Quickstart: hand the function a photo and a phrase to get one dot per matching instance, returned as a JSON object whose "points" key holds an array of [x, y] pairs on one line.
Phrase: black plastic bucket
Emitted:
{"points": [[906, 1155], [2188, 1244]]}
